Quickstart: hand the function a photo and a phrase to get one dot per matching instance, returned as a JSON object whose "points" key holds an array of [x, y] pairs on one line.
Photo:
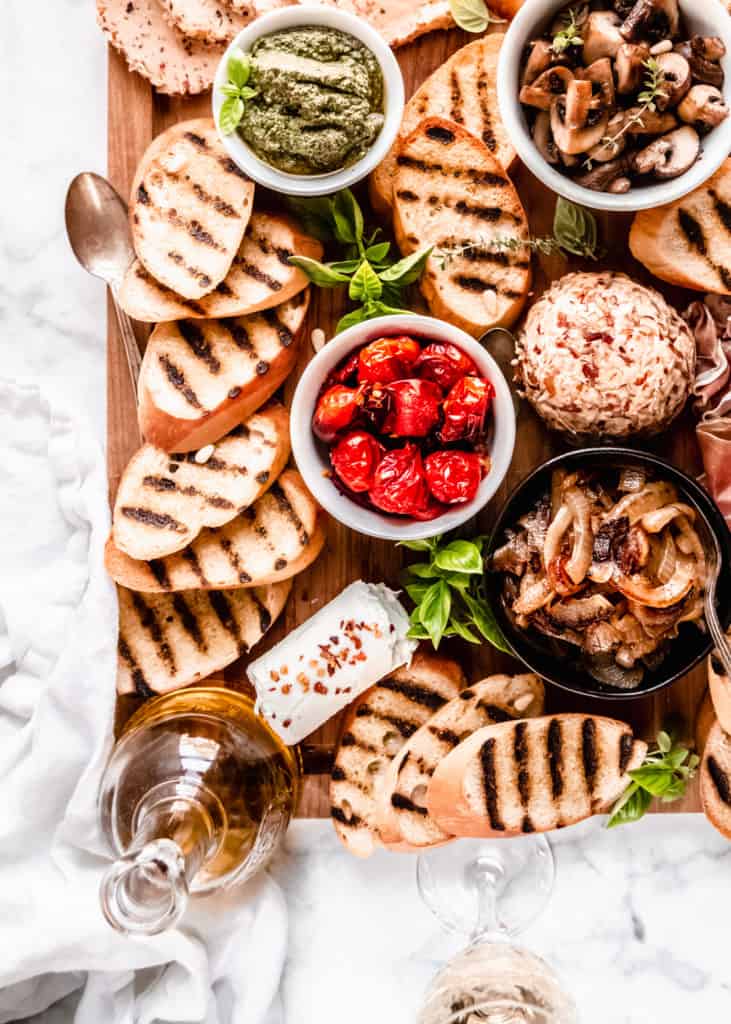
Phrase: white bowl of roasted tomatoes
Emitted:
{"points": [[403, 427]]}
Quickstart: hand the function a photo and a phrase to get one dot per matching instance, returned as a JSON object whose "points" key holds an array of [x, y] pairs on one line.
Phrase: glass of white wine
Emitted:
{"points": [[489, 890]]}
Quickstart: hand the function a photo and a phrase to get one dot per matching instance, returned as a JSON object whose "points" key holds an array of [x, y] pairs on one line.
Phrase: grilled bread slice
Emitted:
{"points": [[402, 815], [688, 242], [716, 780], [260, 277], [199, 378], [153, 48], [189, 208], [375, 728], [719, 686], [450, 192], [274, 539], [399, 21], [172, 640], [533, 775], [164, 501], [213, 21], [462, 89]]}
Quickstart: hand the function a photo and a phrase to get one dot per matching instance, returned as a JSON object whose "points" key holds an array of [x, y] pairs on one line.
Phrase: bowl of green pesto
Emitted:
{"points": [[308, 100]]}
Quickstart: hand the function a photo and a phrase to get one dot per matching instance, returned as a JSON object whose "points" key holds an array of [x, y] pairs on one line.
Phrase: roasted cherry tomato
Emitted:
{"points": [[346, 372], [453, 477], [445, 364], [400, 485], [465, 410], [355, 459], [336, 410], [388, 359], [415, 407]]}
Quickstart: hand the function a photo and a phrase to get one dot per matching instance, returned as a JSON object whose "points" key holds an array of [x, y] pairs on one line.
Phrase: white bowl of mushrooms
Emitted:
{"points": [[619, 105]]}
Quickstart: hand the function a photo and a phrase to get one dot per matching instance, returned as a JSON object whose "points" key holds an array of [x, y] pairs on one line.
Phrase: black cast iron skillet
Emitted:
{"points": [[541, 654]]}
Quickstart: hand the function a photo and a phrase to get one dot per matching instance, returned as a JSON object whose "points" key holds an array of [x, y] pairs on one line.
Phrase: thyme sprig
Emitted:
{"points": [[569, 34], [654, 90]]}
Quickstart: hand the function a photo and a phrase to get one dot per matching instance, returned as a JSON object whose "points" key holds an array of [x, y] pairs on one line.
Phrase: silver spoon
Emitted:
{"points": [[98, 230]]}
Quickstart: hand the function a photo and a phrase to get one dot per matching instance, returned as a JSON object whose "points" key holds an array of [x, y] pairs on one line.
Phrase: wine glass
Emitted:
{"points": [[491, 889]]}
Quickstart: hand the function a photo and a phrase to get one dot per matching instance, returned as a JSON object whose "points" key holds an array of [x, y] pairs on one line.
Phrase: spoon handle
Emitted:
{"points": [[131, 348]]}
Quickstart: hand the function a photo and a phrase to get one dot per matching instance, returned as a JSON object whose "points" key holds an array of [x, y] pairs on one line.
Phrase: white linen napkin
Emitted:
{"points": [[58, 616]]}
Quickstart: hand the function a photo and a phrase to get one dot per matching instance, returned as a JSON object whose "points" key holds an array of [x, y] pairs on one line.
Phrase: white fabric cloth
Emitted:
{"points": [[57, 666]]}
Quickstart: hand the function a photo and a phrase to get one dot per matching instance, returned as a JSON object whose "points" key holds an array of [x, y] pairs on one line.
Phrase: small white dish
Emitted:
{"points": [[701, 17], [314, 184], [311, 455]]}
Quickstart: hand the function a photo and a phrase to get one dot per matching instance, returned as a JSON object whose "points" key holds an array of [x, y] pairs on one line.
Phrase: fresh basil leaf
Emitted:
{"points": [[655, 781], [377, 253], [364, 284], [407, 270], [239, 68], [418, 545], [575, 229], [232, 111], [356, 316], [345, 266], [379, 308], [348, 218], [434, 611], [229, 90], [319, 273], [457, 580], [418, 632], [246, 93], [664, 742], [315, 215], [391, 295], [416, 591], [460, 556], [423, 571], [462, 630], [471, 15], [631, 806], [484, 619]]}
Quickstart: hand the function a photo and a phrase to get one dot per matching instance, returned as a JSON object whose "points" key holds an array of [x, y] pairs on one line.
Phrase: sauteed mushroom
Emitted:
{"points": [[704, 107], [653, 20], [670, 155]]}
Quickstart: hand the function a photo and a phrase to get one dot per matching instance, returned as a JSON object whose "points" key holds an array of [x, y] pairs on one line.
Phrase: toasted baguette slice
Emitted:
{"points": [[164, 501], [716, 780], [153, 48], [213, 21], [189, 208], [705, 718], [274, 539], [260, 277], [199, 378], [171, 640], [462, 89], [398, 21], [450, 191], [402, 815], [688, 242], [719, 686], [375, 727], [533, 775]]}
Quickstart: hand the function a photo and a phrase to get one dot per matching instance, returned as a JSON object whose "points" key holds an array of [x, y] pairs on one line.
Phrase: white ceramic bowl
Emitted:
{"points": [[314, 184], [312, 456], [701, 17]]}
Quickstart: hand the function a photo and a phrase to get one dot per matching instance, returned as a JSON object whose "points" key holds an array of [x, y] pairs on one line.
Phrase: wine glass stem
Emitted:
{"points": [[486, 876]]}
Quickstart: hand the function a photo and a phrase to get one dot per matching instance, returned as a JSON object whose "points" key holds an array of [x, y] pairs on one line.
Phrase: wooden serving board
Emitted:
{"points": [[136, 115]]}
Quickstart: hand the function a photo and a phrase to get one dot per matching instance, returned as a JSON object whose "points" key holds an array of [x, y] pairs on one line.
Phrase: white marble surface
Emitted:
{"points": [[640, 920]]}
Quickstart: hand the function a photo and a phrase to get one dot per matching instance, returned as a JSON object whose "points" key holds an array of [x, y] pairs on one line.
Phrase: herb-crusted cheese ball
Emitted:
{"points": [[602, 356]]}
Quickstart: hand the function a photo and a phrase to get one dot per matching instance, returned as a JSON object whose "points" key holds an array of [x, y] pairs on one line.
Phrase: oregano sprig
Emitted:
{"points": [[665, 773], [236, 90]]}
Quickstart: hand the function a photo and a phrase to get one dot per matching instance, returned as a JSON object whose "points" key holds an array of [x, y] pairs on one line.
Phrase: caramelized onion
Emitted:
{"points": [[651, 497], [637, 588], [657, 520], [555, 534], [581, 555]]}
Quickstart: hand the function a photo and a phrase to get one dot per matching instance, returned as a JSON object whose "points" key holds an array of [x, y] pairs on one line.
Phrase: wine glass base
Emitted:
{"points": [[522, 870]]}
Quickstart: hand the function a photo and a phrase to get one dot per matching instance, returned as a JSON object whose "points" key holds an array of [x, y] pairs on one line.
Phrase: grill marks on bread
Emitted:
{"points": [[164, 501], [462, 90], [375, 728], [716, 780], [279, 535], [172, 640], [259, 275], [183, 198], [533, 775], [451, 192]]}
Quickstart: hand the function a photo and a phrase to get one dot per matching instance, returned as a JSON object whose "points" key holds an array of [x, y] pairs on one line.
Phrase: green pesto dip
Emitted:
{"points": [[319, 102]]}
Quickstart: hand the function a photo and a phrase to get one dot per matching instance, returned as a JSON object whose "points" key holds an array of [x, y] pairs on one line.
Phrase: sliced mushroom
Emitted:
{"points": [[579, 139], [600, 74], [704, 67], [614, 144], [546, 88], [580, 611], [578, 104], [652, 20], [641, 121], [601, 36], [670, 155], [676, 79], [629, 65], [543, 138], [704, 107], [623, 7], [541, 57], [601, 637], [534, 594], [603, 177]]}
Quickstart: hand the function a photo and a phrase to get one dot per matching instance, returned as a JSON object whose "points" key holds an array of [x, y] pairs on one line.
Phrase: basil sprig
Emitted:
{"points": [[665, 773], [448, 590], [374, 279], [473, 15], [236, 90], [575, 230]]}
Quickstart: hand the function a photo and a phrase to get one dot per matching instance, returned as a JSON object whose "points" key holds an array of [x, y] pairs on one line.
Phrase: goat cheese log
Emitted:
{"points": [[324, 664]]}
